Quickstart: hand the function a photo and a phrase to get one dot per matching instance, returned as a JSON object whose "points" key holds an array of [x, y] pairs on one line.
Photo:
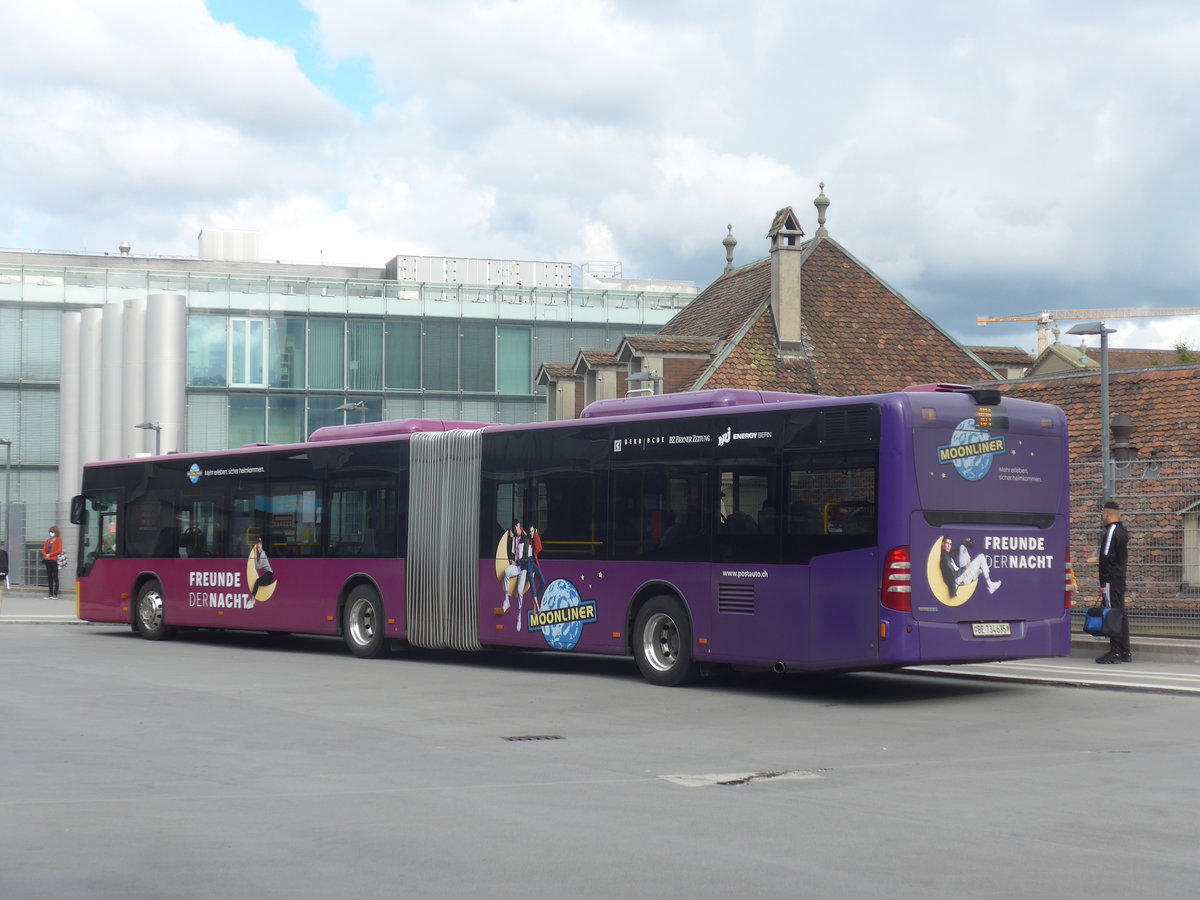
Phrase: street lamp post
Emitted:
{"points": [[157, 429], [1101, 329], [360, 407], [7, 497]]}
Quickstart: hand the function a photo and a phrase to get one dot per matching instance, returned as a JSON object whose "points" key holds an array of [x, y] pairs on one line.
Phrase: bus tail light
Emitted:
{"points": [[1071, 584], [896, 592]]}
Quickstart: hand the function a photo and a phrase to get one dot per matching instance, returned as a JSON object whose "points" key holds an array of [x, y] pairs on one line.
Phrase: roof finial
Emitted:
{"points": [[730, 242], [822, 204]]}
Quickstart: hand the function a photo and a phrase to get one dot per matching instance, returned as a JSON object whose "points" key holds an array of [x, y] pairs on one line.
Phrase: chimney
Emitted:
{"points": [[785, 236]]}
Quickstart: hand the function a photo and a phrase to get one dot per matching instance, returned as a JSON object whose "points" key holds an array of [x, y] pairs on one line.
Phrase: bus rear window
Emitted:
{"points": [[968, 467]]}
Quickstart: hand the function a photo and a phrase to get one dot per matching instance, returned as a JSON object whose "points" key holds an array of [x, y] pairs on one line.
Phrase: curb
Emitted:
{"points": [[1182, 650]]}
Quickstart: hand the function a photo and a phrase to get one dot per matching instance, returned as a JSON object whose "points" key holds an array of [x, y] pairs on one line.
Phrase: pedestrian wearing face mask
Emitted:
{"points": [[51, 551]]}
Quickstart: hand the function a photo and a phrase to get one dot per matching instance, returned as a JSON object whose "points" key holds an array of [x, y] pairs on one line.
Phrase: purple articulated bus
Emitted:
{"points": [[691, 531]]}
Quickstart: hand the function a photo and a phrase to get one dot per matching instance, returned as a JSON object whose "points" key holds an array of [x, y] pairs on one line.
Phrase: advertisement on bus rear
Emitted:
{"points": [[989, 541], [987, 461]]}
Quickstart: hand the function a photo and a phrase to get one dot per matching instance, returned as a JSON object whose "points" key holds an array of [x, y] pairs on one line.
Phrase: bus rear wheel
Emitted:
{"points": [[148, 613], [363, 624], [663, 643]]}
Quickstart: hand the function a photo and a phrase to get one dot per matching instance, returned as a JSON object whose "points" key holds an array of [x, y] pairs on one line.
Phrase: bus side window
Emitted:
{"points": [[658, 512], [362, 516], [565, 507], [153, 528], [195, 524], [831, 500], [748, 520], [99, 526], [296, 519], [249, 521]]}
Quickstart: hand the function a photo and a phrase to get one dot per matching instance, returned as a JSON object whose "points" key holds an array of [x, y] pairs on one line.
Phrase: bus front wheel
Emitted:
{"points": [[148, 613], [663, 643], [363, 624]]}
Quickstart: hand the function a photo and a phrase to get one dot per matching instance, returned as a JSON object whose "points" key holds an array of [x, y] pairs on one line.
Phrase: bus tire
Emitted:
{"points": [[363, 624], [662, 643], [148, 614]]}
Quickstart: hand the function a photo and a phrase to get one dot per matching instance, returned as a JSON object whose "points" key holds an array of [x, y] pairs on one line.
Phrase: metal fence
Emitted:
{"points": [[1160, 507]]}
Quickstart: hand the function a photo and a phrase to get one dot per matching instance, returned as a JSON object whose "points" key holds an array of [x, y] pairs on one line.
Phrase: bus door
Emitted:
{"points": [[96, 513], [758, 605], [830, 530]]}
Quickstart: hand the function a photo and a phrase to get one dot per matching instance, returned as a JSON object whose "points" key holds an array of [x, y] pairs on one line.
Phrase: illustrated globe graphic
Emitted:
{"points": [[971, 468], [561, 593]]}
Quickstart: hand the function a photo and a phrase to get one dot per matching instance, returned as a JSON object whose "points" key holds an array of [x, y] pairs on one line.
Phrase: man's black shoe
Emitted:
{"points": [[1108, 658], [1127, 657]]}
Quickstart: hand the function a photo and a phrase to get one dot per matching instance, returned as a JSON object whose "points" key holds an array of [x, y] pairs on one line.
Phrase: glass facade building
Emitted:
{"points": [[273, 349]]}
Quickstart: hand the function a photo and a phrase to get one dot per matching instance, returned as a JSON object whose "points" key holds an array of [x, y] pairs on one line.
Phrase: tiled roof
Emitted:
{"points": [[1002, 356], [724, 306], [753, 362], [596, 359], [1118, 357], [864, 337], [1160, 400], [1130, 358], [660, 344], [1058, 358], [557, 371], [858, 335]]}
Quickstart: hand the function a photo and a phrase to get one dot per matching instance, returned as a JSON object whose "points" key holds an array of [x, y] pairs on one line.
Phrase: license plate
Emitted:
{"points": [[991, 629]]}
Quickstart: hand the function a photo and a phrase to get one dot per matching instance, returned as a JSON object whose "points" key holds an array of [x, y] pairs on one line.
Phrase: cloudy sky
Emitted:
{"points": [[986, 159]]}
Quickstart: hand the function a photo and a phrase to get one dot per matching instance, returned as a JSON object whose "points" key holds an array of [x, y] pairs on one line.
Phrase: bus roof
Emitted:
{"points": [[689, 400], [681, 405], [388, 428]]}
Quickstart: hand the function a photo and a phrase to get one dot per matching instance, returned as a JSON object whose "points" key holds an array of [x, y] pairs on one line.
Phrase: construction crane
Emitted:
{"points": [[1047, 318]]}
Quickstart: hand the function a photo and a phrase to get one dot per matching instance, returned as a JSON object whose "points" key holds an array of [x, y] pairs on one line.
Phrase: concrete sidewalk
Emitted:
{"points": [[1144, 649], [21, 603]]}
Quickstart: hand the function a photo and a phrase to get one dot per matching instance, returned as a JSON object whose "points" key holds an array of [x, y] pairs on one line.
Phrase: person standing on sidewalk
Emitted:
{"points": [[1113, 555], [51, 551]]}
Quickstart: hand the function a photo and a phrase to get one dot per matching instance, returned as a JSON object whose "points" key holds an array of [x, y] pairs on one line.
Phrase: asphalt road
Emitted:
{"points": [[225, 765]]}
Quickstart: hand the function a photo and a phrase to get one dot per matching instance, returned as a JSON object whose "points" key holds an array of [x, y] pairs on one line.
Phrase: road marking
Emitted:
{"points": [[737, 778], [1123, 670], [1140, 679]]}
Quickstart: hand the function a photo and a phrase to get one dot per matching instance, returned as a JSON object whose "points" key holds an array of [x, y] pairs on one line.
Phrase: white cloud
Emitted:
{"points": [[484, 62], [118, 109], [1152, 333], [984, 160]]}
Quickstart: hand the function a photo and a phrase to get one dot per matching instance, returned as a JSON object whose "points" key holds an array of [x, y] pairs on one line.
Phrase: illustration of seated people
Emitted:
{"points": [[958, 571], [260, 577], [515, 563], [533, 565]]}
